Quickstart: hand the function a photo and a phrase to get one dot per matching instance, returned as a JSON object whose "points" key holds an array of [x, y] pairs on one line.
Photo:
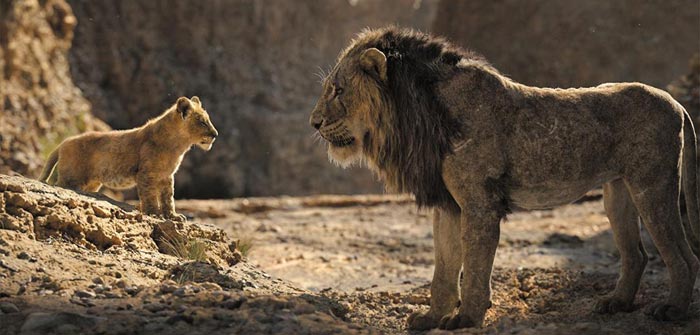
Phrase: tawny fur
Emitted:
{"points": [[146, 157], [441, 123]]}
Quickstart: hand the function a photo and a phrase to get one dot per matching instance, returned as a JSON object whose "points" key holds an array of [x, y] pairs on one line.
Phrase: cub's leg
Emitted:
{"points": [[147, 187], [633, 258], [167, 202], [479, 234], [444, 293], [656, 197]]}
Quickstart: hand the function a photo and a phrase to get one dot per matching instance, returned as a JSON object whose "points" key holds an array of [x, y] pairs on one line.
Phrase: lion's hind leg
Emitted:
{"points": [[624, 222], [656, 194]]}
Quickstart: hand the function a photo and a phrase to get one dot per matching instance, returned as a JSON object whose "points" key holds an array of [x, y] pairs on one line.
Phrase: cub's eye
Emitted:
{"points": [[338, 90], [202, 123]]}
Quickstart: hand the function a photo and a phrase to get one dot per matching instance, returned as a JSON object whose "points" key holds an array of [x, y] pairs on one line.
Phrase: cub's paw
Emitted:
{"points": [[456, 321], [665, 312], [422, 321], [612, 305], [176, 217]]}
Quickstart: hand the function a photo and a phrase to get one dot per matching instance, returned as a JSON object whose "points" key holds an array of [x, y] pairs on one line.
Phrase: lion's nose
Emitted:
{"points": [[214, 133], [315, 120]]}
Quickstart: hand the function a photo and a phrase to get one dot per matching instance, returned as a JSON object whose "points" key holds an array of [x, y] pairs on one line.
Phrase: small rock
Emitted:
{"points": [[233, 303], [168, 286], [210, 286], [132, 290], [112, 295], [23, 255], [101, 212], [154, 307], [121, 283], [84, 294], [8, 307], [183, 291], [72, 203], [98, 280], [303, 308]]}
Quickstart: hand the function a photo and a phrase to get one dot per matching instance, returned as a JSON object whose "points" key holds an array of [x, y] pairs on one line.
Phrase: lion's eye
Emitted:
{"points": [[338, 90], [202, 123]]}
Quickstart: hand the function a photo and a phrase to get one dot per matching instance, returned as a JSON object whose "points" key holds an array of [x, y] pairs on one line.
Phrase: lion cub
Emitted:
{"points": [[146, 157]]}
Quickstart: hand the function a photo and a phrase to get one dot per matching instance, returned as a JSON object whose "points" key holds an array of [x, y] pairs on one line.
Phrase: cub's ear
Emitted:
{"points": [[373, 62], [183, 106], [195, 99]]}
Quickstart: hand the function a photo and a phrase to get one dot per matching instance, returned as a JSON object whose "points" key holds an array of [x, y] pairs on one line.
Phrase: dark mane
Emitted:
{"points": [[419, 130]]}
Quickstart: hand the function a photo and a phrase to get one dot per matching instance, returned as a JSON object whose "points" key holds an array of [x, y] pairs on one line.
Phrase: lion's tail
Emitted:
{"points": [[49, 167], [690, 185]]}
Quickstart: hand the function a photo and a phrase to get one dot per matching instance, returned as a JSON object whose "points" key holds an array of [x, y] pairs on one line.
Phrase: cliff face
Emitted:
{"points": [[577, 43], [39, 104], [254, 66]]}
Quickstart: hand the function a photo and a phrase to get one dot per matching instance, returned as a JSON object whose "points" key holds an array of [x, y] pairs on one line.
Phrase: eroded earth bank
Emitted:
{"points": [[82, 263]]}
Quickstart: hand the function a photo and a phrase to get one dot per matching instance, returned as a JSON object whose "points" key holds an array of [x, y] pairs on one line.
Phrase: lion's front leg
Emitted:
{"points": [[167, 200], [444, 294], [147, 187], [480, 233]]}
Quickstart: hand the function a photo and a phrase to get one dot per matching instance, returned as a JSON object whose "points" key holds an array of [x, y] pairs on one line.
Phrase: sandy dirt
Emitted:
{"points": [[71, 263], [374, 254]]}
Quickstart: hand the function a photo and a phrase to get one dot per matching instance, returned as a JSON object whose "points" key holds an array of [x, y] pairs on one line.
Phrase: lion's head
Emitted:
{"points": [[348, 111], [196, 123], [379, 104]]}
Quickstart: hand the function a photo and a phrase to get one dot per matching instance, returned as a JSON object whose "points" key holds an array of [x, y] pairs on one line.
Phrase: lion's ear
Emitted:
{"points": [[183, 106], [195, 99], [373, 62]]}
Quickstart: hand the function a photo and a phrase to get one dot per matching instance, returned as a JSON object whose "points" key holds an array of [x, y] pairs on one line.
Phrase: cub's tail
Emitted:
{"points": [[690, 185], [49, 167]]}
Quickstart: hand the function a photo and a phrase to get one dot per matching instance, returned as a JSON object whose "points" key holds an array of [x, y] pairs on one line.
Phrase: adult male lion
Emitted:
{"points": [[441, 123]]}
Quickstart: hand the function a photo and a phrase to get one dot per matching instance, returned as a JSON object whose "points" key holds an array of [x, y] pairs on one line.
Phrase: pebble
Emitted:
{"points": [[98, 280], [183, 291], [168, 286], [304, 308], [210, 286], [85, 294], [23, 255], [154, 307], [233, 303], [132, 290], [8, 307], [121, 283]]}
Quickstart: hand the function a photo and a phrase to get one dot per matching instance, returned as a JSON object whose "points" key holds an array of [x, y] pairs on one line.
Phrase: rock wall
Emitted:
{"points": [[577, 43], [253, 64], [39, 104]]}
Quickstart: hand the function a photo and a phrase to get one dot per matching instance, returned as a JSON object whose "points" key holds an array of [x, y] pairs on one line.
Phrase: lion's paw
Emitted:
{"points": [[175, 217], [612, 305], [456, 321], [665, 312], [422, 321]]}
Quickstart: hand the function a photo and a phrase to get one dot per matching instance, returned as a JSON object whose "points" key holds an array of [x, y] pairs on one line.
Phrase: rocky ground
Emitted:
{"points": [[79, 263]]}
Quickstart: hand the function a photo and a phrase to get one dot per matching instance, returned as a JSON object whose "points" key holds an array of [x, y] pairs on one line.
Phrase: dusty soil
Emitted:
{"points": [[79, 263], [374, 255]]}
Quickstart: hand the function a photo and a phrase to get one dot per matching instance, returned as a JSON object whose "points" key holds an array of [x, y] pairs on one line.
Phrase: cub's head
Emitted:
{"points": [[197, 124], [351, 109]]}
